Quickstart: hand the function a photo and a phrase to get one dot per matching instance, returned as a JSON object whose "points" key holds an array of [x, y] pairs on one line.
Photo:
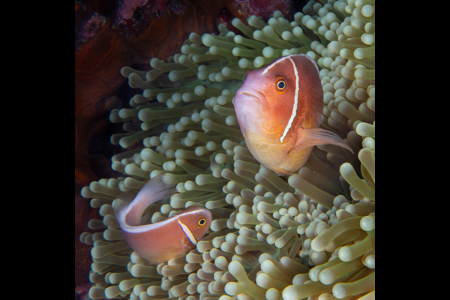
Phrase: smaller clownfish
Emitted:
{"points": [[161, 241], [279, 111]]}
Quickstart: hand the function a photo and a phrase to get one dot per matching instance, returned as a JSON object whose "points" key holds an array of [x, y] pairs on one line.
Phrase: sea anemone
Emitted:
{"points": [[308, 235]]}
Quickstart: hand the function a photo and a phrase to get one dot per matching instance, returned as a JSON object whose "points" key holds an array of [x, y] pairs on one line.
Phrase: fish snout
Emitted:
{"points": [[248, 105], [244, 94]]}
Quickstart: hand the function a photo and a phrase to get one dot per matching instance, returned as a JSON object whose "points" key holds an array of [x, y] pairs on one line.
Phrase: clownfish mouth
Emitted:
{"points": [[249, 106], [252, 94], [249, 94], [250, 98]]}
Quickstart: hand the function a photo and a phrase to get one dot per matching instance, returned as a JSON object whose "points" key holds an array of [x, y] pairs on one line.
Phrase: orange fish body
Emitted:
{"points": [[161, 241], [279, 110]]}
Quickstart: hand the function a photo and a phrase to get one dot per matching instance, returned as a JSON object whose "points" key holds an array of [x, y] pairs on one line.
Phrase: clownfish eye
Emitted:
{"points": [[281, 85], [201, 222]]}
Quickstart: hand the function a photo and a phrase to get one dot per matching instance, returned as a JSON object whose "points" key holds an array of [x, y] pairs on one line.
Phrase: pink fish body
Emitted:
{"points": [[279, 111], [162, 241]]}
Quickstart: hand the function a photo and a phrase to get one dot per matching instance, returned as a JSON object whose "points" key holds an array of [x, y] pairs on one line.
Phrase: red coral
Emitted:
{"points": [[90, 28], [262, 8], [134, 16]]}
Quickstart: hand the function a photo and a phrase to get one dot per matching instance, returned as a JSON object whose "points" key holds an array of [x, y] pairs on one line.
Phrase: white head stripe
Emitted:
{"points": [[284, 57], [148, 227], [294, 108], [273, 64], [187, 232]]}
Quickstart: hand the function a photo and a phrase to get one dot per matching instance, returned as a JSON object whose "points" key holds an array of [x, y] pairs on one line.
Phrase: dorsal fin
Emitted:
{"points": [[130, 213], [121, 203], [127, 197]]}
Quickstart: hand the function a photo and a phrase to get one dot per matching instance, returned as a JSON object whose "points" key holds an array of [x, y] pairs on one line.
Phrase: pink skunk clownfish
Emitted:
{"points": [[279, 110], [162, 241]]}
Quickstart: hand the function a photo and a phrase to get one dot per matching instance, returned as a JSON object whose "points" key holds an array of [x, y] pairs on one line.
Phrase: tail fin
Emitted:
{"points": [[130, 213]]}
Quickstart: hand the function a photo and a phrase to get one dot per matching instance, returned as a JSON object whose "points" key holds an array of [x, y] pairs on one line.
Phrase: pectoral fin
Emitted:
{"points": [[309, 137]]}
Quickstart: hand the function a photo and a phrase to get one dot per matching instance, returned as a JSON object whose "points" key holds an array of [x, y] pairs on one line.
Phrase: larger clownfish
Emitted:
{"points": [[279, 110], [161, 241]]}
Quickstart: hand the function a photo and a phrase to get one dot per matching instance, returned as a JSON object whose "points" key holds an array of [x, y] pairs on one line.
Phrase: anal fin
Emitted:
{"points": [[309, 137]]}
